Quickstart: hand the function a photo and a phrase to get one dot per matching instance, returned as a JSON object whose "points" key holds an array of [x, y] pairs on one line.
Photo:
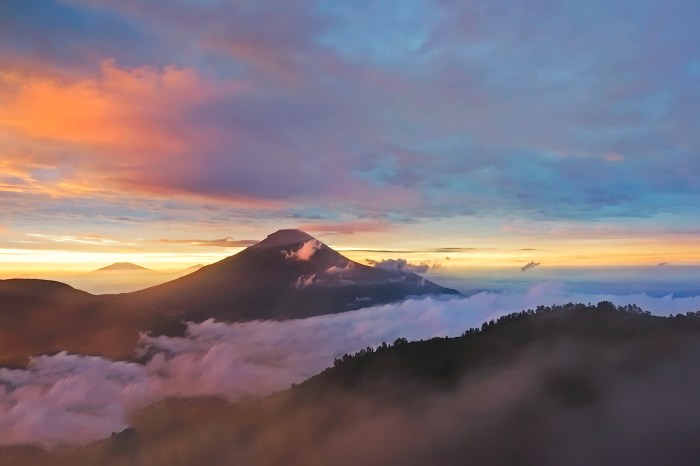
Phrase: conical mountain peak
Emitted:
{"points": [[289, 274], [122, 266], [285, 237]]}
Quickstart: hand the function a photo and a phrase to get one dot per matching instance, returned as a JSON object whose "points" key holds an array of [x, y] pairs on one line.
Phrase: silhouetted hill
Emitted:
{"points": [[29, 288], [42, 316], [563, 385], [446, 360], [288, 275]]}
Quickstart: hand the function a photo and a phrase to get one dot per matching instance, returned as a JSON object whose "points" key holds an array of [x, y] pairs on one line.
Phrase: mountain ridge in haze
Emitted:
{"points": [[122, 267]]}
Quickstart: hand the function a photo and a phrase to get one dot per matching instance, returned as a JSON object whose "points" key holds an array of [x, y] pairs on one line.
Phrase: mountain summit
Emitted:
{"points": [[284, 238], [289, 274]]}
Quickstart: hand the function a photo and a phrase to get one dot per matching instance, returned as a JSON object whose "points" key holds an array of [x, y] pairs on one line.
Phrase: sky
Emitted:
{"points": [[462, 133]]}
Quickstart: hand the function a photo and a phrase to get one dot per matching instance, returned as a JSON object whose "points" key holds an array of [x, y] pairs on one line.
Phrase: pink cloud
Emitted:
{"points": [[305, 252], [346, 228], [120, 110]]}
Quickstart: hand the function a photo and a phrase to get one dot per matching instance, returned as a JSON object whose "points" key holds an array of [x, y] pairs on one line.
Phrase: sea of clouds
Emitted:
{"points": [[68, 399]]}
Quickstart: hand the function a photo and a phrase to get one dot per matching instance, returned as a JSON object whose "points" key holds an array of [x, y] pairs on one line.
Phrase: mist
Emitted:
{"points": [[670, 279], [565, 403], [67, 399]]}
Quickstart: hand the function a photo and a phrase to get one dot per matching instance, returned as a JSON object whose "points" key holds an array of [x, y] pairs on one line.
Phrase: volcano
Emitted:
{"points": [[288, 275]]}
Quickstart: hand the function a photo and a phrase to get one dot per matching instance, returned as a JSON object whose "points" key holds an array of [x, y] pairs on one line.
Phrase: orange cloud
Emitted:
{"points": [[119, 109], [105, 132]]}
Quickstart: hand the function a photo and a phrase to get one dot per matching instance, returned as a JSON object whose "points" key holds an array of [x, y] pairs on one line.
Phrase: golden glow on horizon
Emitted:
{"points": [[584, 255], [35, 262]]}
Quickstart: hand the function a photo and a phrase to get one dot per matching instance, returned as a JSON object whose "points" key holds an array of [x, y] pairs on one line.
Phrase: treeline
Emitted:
{"points": [[603, 306], [554, 310]]}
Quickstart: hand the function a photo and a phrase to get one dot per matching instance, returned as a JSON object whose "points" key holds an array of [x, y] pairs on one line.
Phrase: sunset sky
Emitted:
{"points": [[464, 133]]}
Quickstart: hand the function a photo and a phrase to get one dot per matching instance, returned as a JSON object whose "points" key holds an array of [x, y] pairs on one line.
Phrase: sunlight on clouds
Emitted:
{"points": [[571, 252], [396, 143], [121, 108]]}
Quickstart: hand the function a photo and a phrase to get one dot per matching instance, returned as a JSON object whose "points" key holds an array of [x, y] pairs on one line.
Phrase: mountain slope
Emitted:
{"points": [[41, 316], [288, 275]]}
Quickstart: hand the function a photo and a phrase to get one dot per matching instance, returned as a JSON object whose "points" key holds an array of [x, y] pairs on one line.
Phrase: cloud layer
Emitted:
{"points": [[350, 119], [72, 399]]}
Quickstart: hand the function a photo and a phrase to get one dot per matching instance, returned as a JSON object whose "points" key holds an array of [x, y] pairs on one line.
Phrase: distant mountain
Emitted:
{"points": [[122, 267], [288, 275]]}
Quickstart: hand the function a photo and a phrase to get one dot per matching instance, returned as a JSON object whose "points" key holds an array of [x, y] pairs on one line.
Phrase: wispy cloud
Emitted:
{"points": [[529, 265], [226, 242], [347, 228]]}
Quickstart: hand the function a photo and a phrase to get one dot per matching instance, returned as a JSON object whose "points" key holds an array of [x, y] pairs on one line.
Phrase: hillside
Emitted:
{"points": [[572, 385], [41, 316]]}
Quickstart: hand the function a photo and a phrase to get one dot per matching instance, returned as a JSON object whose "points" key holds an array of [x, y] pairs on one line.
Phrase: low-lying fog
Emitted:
{"points": [[70, 399], [659, 280]]}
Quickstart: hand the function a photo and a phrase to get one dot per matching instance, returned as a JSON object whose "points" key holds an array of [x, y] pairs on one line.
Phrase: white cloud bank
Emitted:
{"points": [[69, 399], [399, 265]]}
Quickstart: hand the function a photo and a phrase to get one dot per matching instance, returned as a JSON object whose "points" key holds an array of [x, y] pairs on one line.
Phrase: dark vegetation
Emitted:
{"points": [[563, 385], [445, 360]]}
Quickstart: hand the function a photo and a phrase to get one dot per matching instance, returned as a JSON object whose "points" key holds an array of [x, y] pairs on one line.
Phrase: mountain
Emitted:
{"points": [[121, 277], [122, 267], [288, 275], [42, 316], [563, 385]]}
